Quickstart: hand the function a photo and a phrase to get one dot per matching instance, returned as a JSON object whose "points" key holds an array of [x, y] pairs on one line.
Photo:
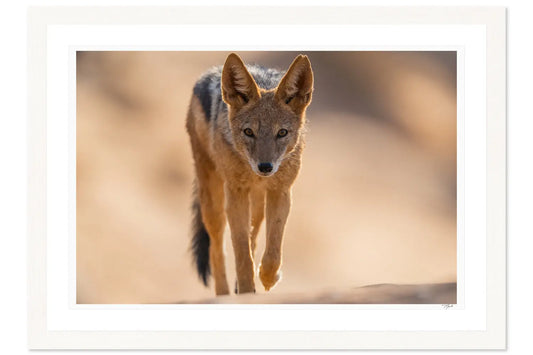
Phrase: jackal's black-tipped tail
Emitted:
{"points": [[200, 242]]}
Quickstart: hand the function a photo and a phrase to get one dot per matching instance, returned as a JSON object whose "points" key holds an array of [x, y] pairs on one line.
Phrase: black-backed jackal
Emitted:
{"points": [[246, 129]]}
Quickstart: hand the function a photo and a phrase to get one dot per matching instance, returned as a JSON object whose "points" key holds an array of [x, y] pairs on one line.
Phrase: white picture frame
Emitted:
{"points": [[55, 32]]}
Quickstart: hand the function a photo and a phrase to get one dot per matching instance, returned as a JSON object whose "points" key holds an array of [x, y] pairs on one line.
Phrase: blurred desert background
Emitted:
{"points": [[375, 202]]}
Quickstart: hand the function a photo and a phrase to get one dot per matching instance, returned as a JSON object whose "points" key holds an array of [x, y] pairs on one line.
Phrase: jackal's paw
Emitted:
{"points": [[237, 288], [269, 278]]}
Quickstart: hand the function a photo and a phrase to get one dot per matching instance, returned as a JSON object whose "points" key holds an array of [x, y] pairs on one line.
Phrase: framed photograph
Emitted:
{"points": [[273, 178]]}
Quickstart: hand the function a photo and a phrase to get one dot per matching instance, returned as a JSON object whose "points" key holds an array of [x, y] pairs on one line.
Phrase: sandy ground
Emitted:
{"points": [[444, 294], [374, 203]]}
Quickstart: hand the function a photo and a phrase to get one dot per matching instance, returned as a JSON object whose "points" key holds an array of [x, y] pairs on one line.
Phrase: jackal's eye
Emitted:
{"points": [[249, 132], [282, 133]]}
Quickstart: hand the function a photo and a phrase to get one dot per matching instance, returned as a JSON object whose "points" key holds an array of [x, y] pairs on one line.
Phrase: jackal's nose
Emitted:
{"points": [[265, 167]]}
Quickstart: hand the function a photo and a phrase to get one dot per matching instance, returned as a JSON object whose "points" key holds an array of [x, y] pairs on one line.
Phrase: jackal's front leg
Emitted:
{"points": [[278, 204], [257, 202], [238, 212]]}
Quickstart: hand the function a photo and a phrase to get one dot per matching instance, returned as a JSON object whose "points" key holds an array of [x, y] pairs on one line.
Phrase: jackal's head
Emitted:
{"points": [[266, 124]]}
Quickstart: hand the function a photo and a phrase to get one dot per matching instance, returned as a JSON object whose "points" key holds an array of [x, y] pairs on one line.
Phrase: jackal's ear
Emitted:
{"points": [[238, 86], [296, 87]]}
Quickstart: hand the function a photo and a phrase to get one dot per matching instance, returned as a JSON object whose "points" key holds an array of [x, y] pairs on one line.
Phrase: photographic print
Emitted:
{"points": [[274, 178], [302, 177]]}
